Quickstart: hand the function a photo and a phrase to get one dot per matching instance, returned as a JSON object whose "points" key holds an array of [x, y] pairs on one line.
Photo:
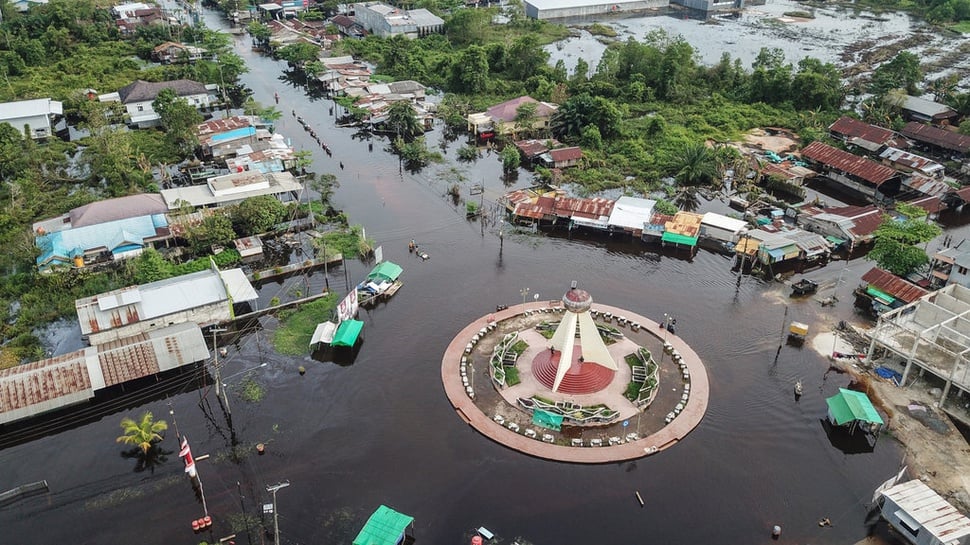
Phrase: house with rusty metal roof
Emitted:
{"points": [[562, 157], [851, 225], [910, 162], [61, 381], [205, 297], [871, 138], [937, 139], [176, 52], [882, 290], [863, 176]]}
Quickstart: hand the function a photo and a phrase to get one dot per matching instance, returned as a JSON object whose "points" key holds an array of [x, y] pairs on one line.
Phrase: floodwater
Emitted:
{"points": [[350, 437], [834, 35]]}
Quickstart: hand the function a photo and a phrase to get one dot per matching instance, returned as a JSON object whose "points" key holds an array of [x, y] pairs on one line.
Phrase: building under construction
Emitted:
{"points": [[931, 335]]}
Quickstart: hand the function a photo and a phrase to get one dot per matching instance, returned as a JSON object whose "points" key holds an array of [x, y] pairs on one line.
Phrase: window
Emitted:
{"points": [[141, 108], [961, 270]]}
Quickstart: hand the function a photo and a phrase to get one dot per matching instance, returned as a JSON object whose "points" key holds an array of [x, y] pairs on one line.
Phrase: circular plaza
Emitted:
{"points": [[575, 381]]}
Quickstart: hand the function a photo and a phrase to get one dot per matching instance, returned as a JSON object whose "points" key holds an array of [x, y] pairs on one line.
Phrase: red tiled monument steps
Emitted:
{"points": [[582, 377]]}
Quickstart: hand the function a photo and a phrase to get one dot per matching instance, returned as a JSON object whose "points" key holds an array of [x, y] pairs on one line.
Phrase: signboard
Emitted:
{"points": [[379, 254], [347, 308]]}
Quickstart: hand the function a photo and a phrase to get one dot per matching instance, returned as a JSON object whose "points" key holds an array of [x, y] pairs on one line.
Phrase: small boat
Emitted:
{"points": [[798, 388], [803, 287]]}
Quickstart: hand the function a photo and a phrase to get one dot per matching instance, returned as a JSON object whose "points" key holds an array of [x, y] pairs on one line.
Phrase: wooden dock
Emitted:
{"points": [[382, 296]]}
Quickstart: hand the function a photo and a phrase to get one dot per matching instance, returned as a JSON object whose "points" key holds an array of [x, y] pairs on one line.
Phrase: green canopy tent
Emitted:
{"points": [[347, 333], [849, 407], [384, 527], [676, 238], [385, 272], [547, 419]]}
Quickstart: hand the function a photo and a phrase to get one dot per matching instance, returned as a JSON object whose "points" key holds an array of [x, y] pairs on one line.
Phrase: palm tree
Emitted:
{"points": [[695, 165], [144, 433], [686, 199], [402, 120]]}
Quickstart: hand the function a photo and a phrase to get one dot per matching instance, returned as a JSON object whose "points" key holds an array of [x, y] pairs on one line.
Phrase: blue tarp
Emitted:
{"points": [[886, 372]]}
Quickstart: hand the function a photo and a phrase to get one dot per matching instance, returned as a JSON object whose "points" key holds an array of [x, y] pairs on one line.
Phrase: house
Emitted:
{"points": [[33, 118], [562, 157], [882, 290], [773, 247], [868, 137], [852, 224], [347, 26], [864, 176], [341, 74], [532, 206], [245, 143], [233, 188], [928, 111], [130, 17], [106, 230], [631, 214], [682, 230], [205, 298], [950, 266], [532, 149], [575, 9], [385, 21], [721, 228], [174, 52], [936, 139], [910, 162], [139, 96], [922, 516], [50, 384], [24, 5], [500, 119]]}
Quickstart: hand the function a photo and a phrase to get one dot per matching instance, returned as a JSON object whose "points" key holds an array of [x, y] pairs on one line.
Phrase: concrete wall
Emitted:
{"points": [[592, 9], [40, 125], [204, 316], [710, 5]]}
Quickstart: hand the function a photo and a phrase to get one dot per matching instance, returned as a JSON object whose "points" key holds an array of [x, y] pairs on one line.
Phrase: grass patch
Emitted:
{"points": [[800, 14], [519, 347], [632, 391], [962, 27], [252, 391], [511, 376], [597, 29], [632, 360], [545, 400], [292, 337]]}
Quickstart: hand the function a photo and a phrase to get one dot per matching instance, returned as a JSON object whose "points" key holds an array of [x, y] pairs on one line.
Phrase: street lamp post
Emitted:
{"points": [[524, 292]]}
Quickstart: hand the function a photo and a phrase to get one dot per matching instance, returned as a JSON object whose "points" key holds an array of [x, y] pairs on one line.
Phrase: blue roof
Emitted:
{"points": [[119, 236], [233, 134]]}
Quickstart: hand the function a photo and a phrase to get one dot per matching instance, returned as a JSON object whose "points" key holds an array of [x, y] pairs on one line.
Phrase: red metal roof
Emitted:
{"points": [[938, 137], [851, 164], [531, 148], [566, 154], [888, 282], [41, 381], [127, 359], [848, 127], [931, 203]]}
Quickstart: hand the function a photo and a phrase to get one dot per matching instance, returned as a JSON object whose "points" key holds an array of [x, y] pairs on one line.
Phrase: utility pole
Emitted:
{"points": [[276, 520], [215, 365]]}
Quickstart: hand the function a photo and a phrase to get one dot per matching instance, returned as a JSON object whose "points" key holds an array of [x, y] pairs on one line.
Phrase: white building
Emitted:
{"points": [[566, 9], [139, 96], [630, 214], [722, 228], [205, 297], [234, 188], [922, 516], [32, 118], [383, 20]]}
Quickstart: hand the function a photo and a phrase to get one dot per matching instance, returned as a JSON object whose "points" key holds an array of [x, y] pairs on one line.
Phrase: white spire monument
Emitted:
{"points": [[577, 318]]}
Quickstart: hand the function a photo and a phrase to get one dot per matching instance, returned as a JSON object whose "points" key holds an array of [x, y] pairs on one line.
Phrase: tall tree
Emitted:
{"points": [[402, 120], [897, 240], [469, 73], [902, 72], [179, 118], [695, 165]]}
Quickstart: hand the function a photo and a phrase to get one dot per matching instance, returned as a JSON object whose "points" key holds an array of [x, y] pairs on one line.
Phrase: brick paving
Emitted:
{"points": [[663, 438]]}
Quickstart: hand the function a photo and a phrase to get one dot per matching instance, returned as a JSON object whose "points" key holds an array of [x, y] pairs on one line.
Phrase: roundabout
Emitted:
{"points": [[573, 381]]}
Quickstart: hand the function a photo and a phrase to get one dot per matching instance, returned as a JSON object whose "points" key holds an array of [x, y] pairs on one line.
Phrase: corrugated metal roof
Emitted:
{"points": [[926, 185], [848, 127], [531, 148], [938, 137], [888, 282], [930, 510], [132, 206], [911, 161], [851, 164], [566, 154], [929, 108], [36, 387], [29, 108], [685, 223], [631, 212]]}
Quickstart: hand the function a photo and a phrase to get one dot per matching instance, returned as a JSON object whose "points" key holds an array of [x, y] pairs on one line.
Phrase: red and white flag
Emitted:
{"points": [[186, 453]]}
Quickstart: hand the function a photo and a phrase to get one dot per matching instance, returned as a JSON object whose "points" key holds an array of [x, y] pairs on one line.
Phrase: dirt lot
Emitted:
{"points": [[936, 452], [780, 141]]}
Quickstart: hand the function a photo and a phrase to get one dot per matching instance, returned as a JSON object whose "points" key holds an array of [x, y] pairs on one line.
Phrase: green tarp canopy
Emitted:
{"points": [[385, 271], [849, 405], [347, 333], [679, 239], [385, 527], [880, 295], [835, 240], [547, 419]]}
